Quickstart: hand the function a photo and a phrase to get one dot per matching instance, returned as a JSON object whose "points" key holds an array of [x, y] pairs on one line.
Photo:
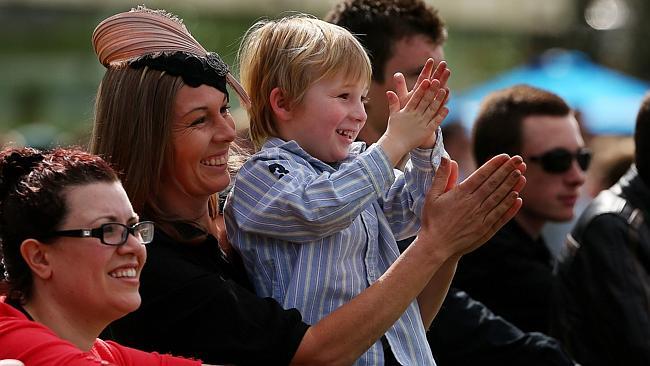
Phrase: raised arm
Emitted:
{"points": [[484, 202], [284, 197]]}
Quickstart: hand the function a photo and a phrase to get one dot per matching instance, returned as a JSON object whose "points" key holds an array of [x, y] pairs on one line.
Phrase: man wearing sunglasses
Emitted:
{"points": [[512, 273], [603, 292]]}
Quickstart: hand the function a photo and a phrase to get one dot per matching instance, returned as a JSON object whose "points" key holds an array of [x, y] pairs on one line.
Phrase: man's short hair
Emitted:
{"points": [[378, 24], [498, 128], [641, 136]]}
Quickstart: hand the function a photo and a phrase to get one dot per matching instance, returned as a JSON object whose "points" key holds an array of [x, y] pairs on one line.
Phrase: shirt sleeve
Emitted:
{"points": [[403, 202], [280, 196]]}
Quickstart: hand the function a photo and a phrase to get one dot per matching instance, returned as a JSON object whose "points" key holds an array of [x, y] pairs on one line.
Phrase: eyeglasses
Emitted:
{"points": [[559, 160], [114, 233]]}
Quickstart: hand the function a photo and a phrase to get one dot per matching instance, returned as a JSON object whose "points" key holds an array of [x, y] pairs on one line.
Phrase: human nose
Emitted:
{"points": [[575, 176], [132, 245], [359, 112], [225, 131]]}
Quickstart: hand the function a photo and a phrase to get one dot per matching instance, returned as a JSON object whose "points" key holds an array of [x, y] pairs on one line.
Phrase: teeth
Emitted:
{"points": [[221, 160], [131, 272], [347, 133]]}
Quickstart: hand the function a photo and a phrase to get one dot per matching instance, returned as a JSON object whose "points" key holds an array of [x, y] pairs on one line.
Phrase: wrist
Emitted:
{"points": [[394, 148], [428, 249]]}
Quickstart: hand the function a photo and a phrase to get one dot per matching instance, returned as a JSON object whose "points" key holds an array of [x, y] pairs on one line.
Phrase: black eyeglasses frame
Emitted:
{"points": [[98, 232]]}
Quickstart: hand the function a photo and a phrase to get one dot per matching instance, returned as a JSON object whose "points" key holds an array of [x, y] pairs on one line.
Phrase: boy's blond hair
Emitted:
{"points": [[292, 53]]}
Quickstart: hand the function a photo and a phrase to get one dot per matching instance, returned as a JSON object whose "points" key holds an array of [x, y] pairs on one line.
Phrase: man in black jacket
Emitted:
{"points": [[603, 284], [400, 36], [513, 272]]}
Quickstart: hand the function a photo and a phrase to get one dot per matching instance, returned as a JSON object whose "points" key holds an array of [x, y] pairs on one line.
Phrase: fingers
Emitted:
{"points": [[442, 73], [480, 175], [447, 92], [441, 178], [501, 214], [453, 176], [401, 89], [440, 69], [424, 89], [426, 72], [437, 120], [502, 190], [434, 108], [495, 179], [520, 185], [393, 102]]}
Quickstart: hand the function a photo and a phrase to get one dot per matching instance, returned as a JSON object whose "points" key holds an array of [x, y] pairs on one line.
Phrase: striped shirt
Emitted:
{"points": [[313, 235]]}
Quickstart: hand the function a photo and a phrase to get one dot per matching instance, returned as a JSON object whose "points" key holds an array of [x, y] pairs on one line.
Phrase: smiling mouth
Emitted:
{"points": [[346, 133], [215, 160], [124, 273]]}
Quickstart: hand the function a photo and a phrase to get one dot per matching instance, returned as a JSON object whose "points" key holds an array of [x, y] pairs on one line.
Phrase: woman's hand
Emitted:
{"points": [[458, 219]]}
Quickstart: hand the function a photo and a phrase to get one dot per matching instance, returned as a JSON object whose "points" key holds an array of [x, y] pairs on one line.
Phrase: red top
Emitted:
{"points": [[34, 344]]}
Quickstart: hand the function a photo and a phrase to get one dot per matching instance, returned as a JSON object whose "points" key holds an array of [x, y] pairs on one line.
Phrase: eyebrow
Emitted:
{"points": [[111, 218], [194, 110], [204, 108]]}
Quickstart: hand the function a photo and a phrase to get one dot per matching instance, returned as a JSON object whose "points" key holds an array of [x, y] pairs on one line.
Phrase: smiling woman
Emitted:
{"points": [[73, 249]]}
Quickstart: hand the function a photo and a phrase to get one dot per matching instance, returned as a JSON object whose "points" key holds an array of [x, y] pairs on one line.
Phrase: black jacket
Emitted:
{"points": [[465, 332], [602, 313], [512, 274]]}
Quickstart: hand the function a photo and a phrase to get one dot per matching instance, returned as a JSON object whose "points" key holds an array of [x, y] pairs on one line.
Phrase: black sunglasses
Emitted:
{"points": [[114, 233], [559, 160]]}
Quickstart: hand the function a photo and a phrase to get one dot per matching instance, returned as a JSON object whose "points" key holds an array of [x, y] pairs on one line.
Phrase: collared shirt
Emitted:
{"points": [[313, 235]]}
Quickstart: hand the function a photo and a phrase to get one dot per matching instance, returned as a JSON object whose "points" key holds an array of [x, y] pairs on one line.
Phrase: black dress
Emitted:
{"points": [[197, 304]]}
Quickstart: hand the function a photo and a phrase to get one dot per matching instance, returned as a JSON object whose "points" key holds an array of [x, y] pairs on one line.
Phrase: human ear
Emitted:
{"points": [[35, 254], [280, 104]]}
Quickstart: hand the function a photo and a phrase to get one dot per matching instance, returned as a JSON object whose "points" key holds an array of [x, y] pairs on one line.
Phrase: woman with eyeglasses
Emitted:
{"points": [[72, 251]]}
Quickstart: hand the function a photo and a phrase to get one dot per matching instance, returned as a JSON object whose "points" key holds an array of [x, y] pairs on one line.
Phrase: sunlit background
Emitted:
{"points": [[49, 75]]}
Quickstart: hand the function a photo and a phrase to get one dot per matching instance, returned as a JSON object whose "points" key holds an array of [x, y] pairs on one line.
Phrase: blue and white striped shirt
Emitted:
{"points": [[313, 236]]}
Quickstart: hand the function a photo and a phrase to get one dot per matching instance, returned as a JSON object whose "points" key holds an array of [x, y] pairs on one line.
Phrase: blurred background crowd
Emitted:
{"points": [[48, 73]]}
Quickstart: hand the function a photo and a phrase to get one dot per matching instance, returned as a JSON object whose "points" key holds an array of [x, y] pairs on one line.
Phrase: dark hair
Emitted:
{"points": [[497, 128], [378, 24], [641, 136], [32, 204]]}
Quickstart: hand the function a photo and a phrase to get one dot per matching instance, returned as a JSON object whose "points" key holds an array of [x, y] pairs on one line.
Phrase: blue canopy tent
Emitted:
{"points": [[608, 100]]}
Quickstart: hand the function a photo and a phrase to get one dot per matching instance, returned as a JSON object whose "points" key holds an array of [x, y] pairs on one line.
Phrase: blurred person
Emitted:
{"points": [[459, 146], [400, 35], [613, 156], [613, 170], [512, 274], [73, 249], [603, 284], [169, 130]]}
